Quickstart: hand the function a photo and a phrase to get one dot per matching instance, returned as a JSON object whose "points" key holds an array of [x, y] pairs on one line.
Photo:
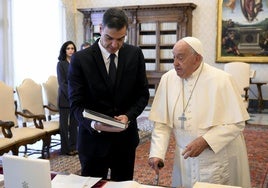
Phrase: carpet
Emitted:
{"points": [[256, 137], [70, 164]]}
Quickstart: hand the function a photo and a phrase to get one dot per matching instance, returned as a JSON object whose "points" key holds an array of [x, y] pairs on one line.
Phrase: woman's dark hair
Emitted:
{"points": [[115, 18], [62, 56]]}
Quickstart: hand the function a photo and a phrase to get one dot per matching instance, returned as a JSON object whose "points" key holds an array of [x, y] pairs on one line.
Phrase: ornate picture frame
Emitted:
{"points": [[242, 32]]}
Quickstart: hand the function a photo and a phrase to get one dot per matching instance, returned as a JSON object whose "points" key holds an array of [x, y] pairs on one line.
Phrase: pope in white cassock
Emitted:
{"points": [[202, 106]]}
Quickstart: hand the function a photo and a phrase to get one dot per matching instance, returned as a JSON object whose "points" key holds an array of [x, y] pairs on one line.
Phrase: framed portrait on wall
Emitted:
{"points": [[242, 32]]}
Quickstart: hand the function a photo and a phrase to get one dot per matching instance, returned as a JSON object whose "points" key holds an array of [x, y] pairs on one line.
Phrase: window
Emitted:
{"points": [[37, 34]]}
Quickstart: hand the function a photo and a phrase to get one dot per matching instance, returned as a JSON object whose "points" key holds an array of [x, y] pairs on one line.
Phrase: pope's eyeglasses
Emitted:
{"points": [[182, 59]]}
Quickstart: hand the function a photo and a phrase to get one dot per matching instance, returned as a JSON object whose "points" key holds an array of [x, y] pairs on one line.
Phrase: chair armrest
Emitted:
{"points": [[6, 128], [246, 89], [37, 118], [51, 107], [27, 114]]}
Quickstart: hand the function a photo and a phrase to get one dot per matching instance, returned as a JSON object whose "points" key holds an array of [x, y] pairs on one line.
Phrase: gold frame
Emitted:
{"points": [[254, 33]]}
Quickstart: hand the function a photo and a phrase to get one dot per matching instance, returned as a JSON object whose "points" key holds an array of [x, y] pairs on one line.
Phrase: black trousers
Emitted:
{"points": [[99, 152], [68, 131]]}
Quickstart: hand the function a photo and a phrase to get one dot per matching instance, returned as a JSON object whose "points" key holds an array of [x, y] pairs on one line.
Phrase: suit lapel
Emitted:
{"points": [[100, 63], [122, 61]]}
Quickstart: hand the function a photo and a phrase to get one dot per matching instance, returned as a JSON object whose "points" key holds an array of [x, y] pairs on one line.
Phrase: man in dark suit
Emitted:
{"points": [[124, 98]]}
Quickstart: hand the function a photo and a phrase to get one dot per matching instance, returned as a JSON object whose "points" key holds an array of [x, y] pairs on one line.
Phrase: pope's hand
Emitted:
{"points": [[196, 147], [156, 164]]}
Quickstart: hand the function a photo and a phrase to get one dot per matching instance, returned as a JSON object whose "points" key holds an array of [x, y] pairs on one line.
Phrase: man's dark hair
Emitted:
{"points": [[115, 18]]}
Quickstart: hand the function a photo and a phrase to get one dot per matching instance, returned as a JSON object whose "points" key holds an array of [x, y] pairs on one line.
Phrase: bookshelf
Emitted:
{"points": [[154, 28]]}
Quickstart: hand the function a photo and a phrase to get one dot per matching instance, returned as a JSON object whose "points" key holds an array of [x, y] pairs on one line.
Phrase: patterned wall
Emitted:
{"points": [[204, 27]]}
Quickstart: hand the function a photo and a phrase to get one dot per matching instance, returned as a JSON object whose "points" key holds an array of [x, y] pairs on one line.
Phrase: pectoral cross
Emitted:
{"points": [[183, 119]]}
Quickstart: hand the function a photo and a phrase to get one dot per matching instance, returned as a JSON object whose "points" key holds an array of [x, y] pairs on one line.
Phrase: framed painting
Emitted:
{"points": [[242, 32]]}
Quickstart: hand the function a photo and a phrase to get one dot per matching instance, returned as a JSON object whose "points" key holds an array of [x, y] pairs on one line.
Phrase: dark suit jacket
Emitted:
{"points": [[90, 88], [62, 72]]}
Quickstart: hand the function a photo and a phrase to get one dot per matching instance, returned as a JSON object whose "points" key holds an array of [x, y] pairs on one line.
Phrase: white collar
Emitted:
{"points": [[105, 53]]}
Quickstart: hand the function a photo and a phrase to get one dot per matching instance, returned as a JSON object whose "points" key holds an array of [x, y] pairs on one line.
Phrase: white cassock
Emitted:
{"points": [[216, 112]]}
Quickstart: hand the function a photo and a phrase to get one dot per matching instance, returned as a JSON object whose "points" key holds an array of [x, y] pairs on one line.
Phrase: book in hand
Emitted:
{"points": [[104, 119]]}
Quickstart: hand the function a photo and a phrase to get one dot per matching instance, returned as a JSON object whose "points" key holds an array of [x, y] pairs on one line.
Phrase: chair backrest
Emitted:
{"points": [[30, 96], [7, 106], [51, 92], [241, 73]]}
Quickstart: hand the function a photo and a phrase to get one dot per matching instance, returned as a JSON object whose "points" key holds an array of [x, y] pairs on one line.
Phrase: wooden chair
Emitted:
{"points": [[13, 136], [241, 73], [51, 96], [51, 102], [31, 102], [6, 141]]}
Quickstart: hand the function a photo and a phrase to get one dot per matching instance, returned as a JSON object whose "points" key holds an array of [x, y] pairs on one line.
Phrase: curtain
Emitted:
{"points": [[31, 34], [6, 63]]}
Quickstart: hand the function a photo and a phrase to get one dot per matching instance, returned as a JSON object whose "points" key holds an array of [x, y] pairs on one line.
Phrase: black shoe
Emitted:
{"points": [[71, 153]]}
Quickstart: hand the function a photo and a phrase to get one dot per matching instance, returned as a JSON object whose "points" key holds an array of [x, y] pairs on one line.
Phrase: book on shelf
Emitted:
{"points": [[166, 54], [166, 66], [104, 119], [168, 39], [149, 53], [148, 26], [168, 26], [150, 66], [147, 39]]}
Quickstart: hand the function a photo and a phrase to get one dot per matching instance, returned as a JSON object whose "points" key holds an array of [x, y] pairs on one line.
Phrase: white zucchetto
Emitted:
{"points": [[195, 44]]}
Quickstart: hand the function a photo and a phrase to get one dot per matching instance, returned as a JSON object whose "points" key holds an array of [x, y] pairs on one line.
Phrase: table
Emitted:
{"points": [[99, 184], [260, 98]]}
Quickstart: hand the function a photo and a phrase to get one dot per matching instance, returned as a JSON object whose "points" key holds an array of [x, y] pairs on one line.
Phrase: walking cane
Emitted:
{"points": [[156, 179]]}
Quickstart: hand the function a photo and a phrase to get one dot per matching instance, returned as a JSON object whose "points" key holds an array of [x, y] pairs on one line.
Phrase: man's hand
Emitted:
{"points": [[122, 118], [107, 128], [196, 147]]}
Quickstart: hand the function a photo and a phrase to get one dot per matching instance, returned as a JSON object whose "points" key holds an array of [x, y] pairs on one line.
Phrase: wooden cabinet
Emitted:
{"points": [[154, 28]]}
